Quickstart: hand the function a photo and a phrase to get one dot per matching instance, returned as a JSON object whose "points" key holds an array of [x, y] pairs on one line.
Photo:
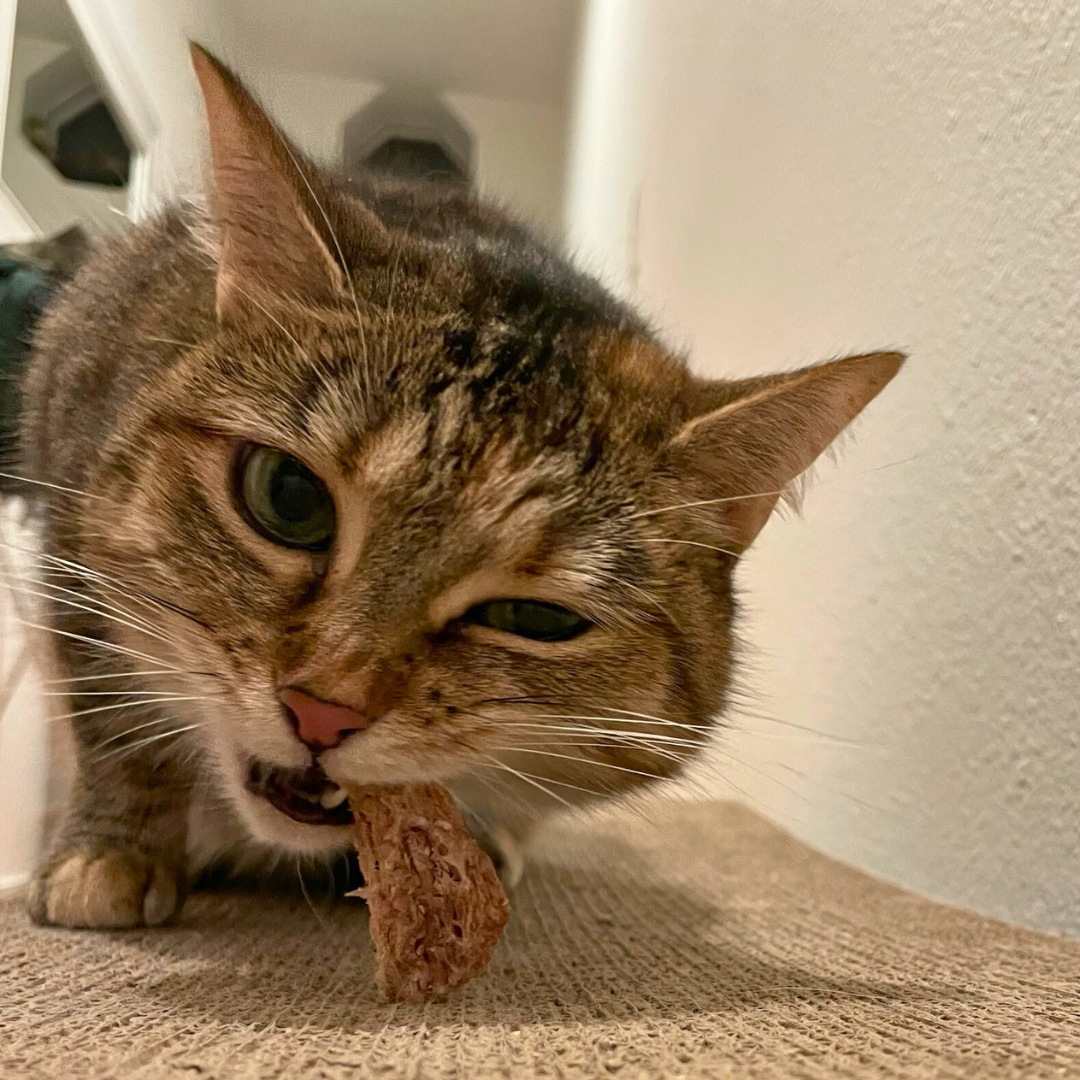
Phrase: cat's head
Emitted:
{"points": [[432, 501]]}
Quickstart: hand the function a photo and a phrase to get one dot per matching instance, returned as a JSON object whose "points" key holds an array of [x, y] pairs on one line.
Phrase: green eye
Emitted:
{"points": [[283, 499], [529, 619]]}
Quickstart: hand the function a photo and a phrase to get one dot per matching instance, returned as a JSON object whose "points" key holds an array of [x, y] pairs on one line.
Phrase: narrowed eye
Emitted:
{"points": [[529, 619], [283, 499]]}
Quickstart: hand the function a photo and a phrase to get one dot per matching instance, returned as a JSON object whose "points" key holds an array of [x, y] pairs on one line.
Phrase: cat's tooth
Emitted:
{"points": [[332, 798]]}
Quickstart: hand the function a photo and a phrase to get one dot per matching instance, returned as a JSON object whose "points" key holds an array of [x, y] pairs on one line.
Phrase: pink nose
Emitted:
{"points": [[320, 724]]}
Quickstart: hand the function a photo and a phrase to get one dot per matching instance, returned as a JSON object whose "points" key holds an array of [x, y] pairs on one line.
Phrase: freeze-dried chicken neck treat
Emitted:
{"points": [[436, 905]]}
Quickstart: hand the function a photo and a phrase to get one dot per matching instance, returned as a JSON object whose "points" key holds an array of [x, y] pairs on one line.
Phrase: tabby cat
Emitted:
{"points": [[360, 482]]}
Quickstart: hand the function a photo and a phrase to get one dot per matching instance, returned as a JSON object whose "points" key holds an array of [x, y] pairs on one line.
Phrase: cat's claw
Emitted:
{"points": [[506, 851], [511, 861], [105, 889]]}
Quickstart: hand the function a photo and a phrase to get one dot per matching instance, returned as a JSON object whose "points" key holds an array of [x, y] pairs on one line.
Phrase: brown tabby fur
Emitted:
{"points": [[490, 422]]}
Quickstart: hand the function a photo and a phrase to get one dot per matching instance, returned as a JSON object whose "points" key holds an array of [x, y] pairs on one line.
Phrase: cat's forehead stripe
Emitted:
{"points": [[390, 455]]}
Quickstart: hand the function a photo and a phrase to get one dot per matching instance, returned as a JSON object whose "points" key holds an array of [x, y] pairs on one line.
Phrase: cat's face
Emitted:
{"points": [[449, 490], [335, 524]]}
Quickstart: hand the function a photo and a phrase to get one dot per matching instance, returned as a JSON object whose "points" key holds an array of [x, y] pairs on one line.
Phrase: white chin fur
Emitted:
{"points": [[271, 826]]}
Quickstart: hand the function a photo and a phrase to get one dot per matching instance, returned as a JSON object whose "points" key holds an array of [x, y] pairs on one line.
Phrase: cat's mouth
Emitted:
{"points": [[306, 795]]}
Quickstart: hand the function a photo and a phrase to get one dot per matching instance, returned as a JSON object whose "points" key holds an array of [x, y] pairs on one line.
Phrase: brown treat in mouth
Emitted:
{"points": [[436, 904]]}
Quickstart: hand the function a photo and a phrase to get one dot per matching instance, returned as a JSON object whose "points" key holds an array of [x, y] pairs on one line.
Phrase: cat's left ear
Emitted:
{"points": [[277, 217], [747, 441]]}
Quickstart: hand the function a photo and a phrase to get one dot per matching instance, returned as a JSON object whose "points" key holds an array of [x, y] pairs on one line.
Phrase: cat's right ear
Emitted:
{"points": [[277, 232], [746, 442]]}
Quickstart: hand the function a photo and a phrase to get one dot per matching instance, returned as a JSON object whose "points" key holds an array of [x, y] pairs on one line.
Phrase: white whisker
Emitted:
{"points": [[145, 697], [303, 889], [340, 253], [495, 763], [46, 484], [580, 744], [691, 543], [622, 713], [63, 681], [71, 592], [172, 341], [648, 597], [625, 735], [270, 315], [117, 706], [137, 727], [626, 718], [707, 502], [107, 646], [581, 761], [769, 494], [93, 611], [127, 750], [100, 580], [824, 736]]}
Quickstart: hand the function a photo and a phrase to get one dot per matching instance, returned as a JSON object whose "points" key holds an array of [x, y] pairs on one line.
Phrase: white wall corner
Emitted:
{"points": [[605, 156], [15, 223]]}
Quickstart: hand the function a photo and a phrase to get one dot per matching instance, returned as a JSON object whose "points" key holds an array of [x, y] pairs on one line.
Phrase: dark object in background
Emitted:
{"points": [[72, 127], [24, 293], [90, 148], [415, 159], [409, 136], [29, 276]]}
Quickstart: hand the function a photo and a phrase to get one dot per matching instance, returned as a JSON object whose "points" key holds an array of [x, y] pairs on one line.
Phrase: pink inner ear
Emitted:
{"points": [[321, 724], [739, 456], [270, 240]]}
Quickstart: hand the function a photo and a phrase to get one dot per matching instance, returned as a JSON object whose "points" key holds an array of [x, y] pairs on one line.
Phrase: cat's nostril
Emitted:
{"points": [[320, 725]]}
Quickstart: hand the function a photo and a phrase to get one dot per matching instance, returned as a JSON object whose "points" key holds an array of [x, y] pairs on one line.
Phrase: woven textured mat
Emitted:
{"points": [[702, 942]]}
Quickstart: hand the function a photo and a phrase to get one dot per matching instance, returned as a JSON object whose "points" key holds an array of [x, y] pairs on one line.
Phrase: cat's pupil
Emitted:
{"points": [[529, 618], [294, 497], [284, 500]]}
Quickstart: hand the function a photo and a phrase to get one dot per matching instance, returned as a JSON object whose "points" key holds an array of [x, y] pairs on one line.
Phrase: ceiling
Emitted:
{"points": [[48, 19], [517, 49]]}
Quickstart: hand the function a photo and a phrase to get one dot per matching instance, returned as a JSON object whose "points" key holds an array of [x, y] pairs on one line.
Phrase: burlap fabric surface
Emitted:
{"points": [[702, 942]]}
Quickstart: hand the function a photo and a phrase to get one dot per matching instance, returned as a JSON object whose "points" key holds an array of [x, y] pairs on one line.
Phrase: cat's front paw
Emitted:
{"points": [[105, 889]]}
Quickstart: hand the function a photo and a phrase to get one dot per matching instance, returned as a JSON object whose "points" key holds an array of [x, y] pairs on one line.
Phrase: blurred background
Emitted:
{"points": [[778, 182]]}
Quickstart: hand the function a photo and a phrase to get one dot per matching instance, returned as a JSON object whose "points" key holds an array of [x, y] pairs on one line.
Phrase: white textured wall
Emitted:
{"points": [[522, 154], [819, 177], [23, 709]]}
